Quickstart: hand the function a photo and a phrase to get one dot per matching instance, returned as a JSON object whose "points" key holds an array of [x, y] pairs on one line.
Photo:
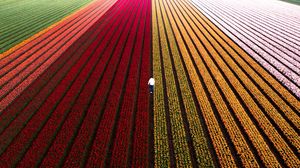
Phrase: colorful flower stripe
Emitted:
{"points": [[43, 79], [77, 98], [277, 28], [9, 114], [278, 117], [272, 112], [128, 107], [44, 35], [251, 113], [83, 97], [78, 152], [290, 133], [280, 59], [37, 121], [16, 58], [140, 143], [11, 71], [275, 117], [162, 156], [32, 71], [96, 71], [285, 25], [210, 68], [199, 141], [43, 110], [106, 130], [238, 141], [77, 95], [179, 136], [268, 83], [219, 144], [246, 99]]}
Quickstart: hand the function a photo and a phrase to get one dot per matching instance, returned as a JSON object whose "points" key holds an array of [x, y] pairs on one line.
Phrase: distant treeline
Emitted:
{"points": [[293, 1]]}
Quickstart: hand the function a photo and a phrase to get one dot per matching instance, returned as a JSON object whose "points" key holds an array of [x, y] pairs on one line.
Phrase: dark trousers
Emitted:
{"points": [[151, 88]]}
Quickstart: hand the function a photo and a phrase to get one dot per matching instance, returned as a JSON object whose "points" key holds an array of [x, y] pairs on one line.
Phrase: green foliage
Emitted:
{"points": [[22, 19]]}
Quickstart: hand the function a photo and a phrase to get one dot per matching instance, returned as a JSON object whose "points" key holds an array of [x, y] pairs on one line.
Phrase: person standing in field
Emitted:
{"points": [[151, 83]]}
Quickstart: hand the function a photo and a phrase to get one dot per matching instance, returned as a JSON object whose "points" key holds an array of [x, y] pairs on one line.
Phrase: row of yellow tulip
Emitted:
{"points": [[198, 137], [161, 145], [181, 150], [162, 36]]}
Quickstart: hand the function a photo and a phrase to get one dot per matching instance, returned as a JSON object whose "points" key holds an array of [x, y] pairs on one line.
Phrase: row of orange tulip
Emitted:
{"points": [[225, 60]]}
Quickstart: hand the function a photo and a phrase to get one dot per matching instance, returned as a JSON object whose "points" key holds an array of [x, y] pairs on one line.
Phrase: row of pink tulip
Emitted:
{"points": [[259, 33]]}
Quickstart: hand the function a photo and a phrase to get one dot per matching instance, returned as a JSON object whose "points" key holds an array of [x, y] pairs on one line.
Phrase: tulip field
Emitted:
{"points": [[74, 92]]}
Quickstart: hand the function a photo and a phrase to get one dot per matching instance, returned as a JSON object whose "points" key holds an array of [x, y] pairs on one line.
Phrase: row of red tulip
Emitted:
{"points": [[120, 145], [15, 81], [37, 119], [140, 140], [78, 153], [108, 126]]}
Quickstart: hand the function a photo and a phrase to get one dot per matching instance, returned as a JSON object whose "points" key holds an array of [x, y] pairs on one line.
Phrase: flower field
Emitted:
{"points": [[74, 93], [62, 94], [271, 37], [231, 112]]}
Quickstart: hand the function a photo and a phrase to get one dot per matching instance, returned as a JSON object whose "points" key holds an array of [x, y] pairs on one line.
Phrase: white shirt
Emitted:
{"points": [[151, 81]]}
